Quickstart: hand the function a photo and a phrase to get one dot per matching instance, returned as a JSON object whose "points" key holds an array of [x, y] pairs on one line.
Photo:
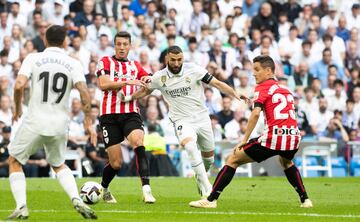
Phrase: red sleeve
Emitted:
{"points": [[103, 67], [260, 95], [141, 71]]}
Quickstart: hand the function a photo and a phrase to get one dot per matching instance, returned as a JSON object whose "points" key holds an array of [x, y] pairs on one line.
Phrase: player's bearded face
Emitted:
{"points": [[175, 62]]}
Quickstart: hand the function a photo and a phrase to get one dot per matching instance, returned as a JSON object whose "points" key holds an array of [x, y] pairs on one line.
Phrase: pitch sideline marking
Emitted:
{"points": [[206, 213]]}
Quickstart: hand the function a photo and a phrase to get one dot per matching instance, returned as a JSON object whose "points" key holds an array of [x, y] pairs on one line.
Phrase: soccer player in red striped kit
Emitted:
{"points": [[280, 137], [120, 119]]}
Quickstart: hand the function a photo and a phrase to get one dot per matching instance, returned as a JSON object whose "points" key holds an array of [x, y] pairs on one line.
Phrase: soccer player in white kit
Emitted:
{"points": [[52, 74], [181, 86]]}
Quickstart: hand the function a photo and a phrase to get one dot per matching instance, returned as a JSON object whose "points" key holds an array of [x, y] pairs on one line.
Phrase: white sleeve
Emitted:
{"points": [[26, 66], [77, 73], [200, 72], [154, 82]]}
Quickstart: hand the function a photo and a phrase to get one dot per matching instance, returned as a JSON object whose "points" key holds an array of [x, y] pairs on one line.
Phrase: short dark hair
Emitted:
{"points": [[243, 119], [55, 35], [339, 81], [4, 53], [265, 62], [122, 34], [174, 50], [332, 66], [326, 50]]}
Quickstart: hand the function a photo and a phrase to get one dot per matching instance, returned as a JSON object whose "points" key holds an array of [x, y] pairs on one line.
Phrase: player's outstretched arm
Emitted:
{"points": [[254, 117], [86, 107], [143, 91], [20, 84], [225, 88], [105, 83]]}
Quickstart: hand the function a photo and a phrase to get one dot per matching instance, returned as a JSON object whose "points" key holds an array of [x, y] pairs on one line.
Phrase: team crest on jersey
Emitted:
{"points": [[100, 65], [163, 80], [188, 80]]}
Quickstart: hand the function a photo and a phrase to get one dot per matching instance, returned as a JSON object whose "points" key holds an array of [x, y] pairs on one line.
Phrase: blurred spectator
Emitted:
{"points": [[220, 57], [302, 119], [152, 118], [39, 6], [103, 47], [320, 118], [5, 67], [224, 32], [80, 52], [356, 98], [151, 13], [235, 129], [226, 7], [226, 114], [265, 20], [15, 17], [335, 130], [37, 166], [4, 153], [77, 137], [320, 69], [353, 18], [322, 9], [5, 110], [284, 25], [341, 30], [303, 55], [139, 7], [293, 9], [309, 102], [97, 29], [38, 41], [352, 60], [337, 101], [217, 130], [301, 77], [250, 7], [303, 22], [109, 8], [86, 15], [354, 81], [198, 18], [210, 102], [57, 11], [331, 18], [290, 44], [349, 117], [32, 30]]}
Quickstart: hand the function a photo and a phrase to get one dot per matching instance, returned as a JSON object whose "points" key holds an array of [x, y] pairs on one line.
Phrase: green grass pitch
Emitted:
{"points": [[245, 199]]}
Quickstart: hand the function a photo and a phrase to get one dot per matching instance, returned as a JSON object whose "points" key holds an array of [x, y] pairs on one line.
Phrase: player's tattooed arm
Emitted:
{"points": [[86, 107], [225, 88], [254, 117], [20, 83]]}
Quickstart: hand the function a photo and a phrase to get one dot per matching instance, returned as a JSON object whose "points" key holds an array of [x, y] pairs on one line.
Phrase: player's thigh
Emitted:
{"points": [[185, 132], [133, 129], [24, 144], [238, 157], [111, 131], [205, 139], [55, 148], [258, 153], [285, 158]]}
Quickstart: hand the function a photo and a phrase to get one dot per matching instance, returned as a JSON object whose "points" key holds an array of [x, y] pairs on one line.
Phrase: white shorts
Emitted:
{"points": [[199, 129], [26, 143]]}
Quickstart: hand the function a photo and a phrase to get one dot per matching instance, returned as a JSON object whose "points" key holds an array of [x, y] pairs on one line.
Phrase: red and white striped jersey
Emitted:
{"points": [[281, 131], [119, 71]]}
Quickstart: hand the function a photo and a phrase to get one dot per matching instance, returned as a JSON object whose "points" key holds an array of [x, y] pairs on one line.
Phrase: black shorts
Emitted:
{"points": [[260, 153], [115, 127]]}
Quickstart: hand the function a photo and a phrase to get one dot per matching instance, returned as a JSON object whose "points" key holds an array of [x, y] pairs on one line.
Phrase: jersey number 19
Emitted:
{"points": [[57, 88]]}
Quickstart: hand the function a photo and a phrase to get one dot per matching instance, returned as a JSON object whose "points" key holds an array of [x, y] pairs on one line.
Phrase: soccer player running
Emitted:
{"points": [[281, 135], [52, 74], [120, 119], [180, 85]]}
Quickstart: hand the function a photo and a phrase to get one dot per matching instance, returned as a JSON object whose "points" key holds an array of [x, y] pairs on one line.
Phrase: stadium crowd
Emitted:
{"points": [[315, 44]]}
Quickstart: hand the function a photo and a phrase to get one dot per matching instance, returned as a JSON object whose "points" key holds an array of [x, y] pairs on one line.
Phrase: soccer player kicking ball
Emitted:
{"points": [[280, 137], [52, 74], [180, 84]]}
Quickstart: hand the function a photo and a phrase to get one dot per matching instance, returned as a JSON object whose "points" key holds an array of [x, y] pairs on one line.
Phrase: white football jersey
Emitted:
{"points": [[183, 92], [52, 74]]}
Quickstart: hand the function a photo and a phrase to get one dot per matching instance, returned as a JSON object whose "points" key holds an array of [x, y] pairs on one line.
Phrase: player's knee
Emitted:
{"points": [[13, 161], [116, 164], [285, 163]]}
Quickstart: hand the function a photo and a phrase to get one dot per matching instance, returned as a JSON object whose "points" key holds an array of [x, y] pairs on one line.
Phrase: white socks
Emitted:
{"points": [[18, 188], [67, 181], [208, 162], [197, 165]]}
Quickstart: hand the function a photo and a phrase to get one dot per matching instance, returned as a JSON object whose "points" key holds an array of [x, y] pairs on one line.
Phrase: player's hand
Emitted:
{"points": [[93, 137], [146, 79], [245, 98], [239, 146], [136, 82], [16, 116]]}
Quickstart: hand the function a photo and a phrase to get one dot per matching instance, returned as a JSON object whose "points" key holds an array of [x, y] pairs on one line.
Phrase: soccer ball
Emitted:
{"points": [[91, 192]]}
